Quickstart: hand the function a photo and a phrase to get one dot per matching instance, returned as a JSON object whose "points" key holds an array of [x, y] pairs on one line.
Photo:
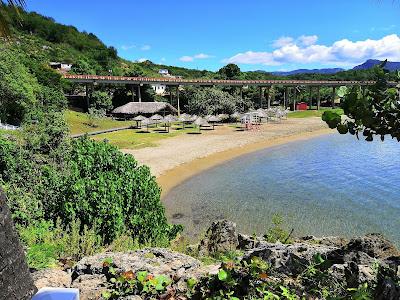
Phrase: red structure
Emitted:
{"points": [[301, 106]]}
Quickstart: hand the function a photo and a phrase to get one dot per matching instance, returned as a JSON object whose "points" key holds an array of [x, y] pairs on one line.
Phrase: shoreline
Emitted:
{"points": [[175, 176]]}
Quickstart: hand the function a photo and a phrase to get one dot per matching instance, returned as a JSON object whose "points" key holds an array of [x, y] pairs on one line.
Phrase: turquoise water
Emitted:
{"points": [[329, 185]]}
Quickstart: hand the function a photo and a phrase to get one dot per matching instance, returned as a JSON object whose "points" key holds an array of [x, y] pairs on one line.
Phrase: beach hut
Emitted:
{"points": [[200, 122], [156, 119], [235, 116], [223, 117], [184, 118], [132, 109], [168, 120]]}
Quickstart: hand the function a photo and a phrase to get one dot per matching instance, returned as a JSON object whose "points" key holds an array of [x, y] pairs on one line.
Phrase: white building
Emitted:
{"points": [[159, 89], [163, 72], [61, 66]]}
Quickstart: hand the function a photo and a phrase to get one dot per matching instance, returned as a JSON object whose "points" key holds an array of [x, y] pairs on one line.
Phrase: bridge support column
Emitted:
{"points": [[318, 98], [139, 94], [310, 100], [261, 96], [171, 96], [133, 92], [294, 98], [177, 98], [333, 96], [89, 90], [363, 91], [286, 98], [241, 92], [268, 97]]}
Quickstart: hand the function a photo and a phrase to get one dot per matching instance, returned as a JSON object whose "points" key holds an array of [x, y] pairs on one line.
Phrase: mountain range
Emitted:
{"points": [[390, 66]]}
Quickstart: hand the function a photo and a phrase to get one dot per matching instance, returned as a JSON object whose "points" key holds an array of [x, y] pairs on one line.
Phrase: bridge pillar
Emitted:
{"points": [[333, 96], [318, 98], [133, 92], [310, 100], [139, 93], [177, 98], [268, 97], [170, 95], [286, 97], [363, 90], [261, 96], [89, 90], [241, 92], [294, 98]]}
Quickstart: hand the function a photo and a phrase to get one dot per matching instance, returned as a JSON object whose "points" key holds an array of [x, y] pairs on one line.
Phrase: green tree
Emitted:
{"points": [[101, 102], [16, 5], [230, 71], [18, 88], [373, 112]]}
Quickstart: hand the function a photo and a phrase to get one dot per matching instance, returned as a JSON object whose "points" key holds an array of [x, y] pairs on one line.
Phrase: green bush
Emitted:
{"points": [[108, 189], [101, 102]]}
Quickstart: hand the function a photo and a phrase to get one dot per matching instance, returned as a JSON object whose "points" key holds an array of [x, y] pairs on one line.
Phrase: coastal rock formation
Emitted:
{"points": [[220, 237], [370, 260], [15, 280]]}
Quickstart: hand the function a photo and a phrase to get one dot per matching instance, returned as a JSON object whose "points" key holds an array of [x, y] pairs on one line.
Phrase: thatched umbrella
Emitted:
{"points": [[200, 122], [138, 120], [235, 116], [168, 120], [223, 117], [184, 118], [213, 120], [147, 122], [156, 119]]}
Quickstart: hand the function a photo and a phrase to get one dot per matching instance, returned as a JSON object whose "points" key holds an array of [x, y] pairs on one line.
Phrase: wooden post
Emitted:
{"points": [[177, 98], [139, 93], [333, 96], [268, 97], [310, 100], [318, 98]]}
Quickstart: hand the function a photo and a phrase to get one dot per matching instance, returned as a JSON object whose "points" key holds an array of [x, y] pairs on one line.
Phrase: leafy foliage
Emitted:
{"points": [[374, 112], [230, 71], [208, 101], [101, 102]]}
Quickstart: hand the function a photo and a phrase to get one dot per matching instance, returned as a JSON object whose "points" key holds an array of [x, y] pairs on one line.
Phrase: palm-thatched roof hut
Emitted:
{"points": [[132, 109]]}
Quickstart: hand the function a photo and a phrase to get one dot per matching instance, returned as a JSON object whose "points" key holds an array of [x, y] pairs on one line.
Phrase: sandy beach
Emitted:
{"points": [[177, 159]]}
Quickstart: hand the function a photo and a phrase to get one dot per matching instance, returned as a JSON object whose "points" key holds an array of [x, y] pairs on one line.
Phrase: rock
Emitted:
{"points": [[51, 278], [90, 286], [247, 242], [374, 244], [87, 274], [387, 290], [220, 237], [332, 241], [289, 259]]}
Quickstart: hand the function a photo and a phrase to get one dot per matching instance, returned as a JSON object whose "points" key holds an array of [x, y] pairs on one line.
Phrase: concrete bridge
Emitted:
{"points": [[264, 85]]}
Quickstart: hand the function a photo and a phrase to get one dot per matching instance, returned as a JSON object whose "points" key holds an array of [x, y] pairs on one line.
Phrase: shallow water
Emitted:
{"points": [[329, 185]]}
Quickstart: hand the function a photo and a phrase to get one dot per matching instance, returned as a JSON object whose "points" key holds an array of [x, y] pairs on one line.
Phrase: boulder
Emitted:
{"points": [[88, 275], [289, 260], [220, 237], [51, 278], [90, 286], [374, 244]]}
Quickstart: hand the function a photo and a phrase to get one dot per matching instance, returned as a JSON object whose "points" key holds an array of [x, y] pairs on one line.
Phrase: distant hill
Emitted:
{"points": [[390, 66], [309, 71]]}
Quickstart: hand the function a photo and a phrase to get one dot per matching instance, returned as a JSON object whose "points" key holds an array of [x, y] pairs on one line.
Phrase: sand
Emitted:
{"points": [[178, 158]]}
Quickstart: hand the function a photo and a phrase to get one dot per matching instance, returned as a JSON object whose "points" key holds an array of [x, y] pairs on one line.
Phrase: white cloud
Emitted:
{"points": [[304, 50], [145, 47], [283, 41], [202, 56], [127, 47], [307, 40], [188, 58], [142, 59]]}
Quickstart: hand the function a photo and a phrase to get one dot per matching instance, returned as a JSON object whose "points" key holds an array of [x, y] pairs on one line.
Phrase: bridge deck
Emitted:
{"points": [[206, 82]]}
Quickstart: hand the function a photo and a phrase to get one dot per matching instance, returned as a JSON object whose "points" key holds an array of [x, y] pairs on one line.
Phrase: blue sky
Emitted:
{"points": [[259, 34]]}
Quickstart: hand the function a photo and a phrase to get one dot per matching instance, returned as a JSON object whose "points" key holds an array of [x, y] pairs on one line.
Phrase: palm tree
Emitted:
{"points": [[17, 5]]}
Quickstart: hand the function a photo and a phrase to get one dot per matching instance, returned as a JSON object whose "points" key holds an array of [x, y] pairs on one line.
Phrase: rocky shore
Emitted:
{"points": [[352, 263]]}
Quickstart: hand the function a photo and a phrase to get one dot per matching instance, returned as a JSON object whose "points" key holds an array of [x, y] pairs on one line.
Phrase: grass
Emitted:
{"points": [[135, 139], [312, 113], [81, 123]]}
